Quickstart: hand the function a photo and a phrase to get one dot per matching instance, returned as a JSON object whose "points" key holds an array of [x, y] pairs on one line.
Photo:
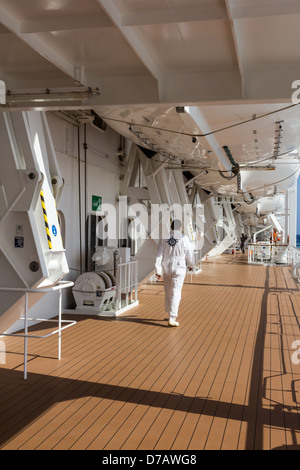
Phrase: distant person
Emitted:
{"points": [[173, 255], [243, 240]]}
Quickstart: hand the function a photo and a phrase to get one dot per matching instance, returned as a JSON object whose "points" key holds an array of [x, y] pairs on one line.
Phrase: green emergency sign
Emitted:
{"points": [[96, 203]]}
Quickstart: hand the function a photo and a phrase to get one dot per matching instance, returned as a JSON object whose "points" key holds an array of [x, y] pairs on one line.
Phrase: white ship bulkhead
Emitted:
{"points": [[97, 175], [93, 171], [95, 143], [118, 117]]}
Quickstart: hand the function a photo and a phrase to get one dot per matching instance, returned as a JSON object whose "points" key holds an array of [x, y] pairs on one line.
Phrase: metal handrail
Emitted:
{"points": [[127, 282], [270, 256], [58, 287], [295, 262]]}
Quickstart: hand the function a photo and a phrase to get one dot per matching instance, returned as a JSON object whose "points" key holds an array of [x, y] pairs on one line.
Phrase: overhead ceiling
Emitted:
{"points": [[159, 51], [233, 65]]}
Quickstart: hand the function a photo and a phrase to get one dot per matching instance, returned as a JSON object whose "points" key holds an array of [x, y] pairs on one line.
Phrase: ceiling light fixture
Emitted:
{"points": [[49, 97]]}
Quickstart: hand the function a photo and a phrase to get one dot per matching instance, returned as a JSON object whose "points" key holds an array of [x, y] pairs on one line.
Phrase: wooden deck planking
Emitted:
{"points": [[222, 380]]}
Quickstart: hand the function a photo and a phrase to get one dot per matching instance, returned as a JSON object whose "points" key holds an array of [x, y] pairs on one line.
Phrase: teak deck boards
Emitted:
{"points": [[224, 379]]}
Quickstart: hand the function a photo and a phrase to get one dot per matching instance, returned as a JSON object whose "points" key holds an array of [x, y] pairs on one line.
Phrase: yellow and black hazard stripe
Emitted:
{"points": [[192, 230], [46, 221]]}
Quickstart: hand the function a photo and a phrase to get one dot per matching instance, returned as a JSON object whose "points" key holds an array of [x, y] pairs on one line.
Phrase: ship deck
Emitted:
{"points": [[227, 378]]}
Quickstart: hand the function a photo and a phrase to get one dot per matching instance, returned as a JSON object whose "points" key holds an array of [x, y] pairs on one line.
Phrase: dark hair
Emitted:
{"points": [[176, 224]]}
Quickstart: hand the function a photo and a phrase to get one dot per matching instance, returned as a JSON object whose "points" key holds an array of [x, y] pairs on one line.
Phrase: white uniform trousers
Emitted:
{"points": [[173, 274]]}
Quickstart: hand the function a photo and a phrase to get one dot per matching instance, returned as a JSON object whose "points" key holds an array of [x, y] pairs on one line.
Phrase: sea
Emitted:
{"points": [[298, 241]]}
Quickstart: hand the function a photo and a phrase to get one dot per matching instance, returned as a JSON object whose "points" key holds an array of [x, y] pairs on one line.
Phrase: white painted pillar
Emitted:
{"points": [[292, 204]]}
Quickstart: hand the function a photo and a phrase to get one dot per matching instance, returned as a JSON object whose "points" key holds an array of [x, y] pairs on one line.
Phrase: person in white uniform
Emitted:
{"points": [[173, 255]]}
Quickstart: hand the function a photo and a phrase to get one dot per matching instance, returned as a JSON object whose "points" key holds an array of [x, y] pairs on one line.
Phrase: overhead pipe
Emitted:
{"points": [[79, 201], [85, 188], [160, 167]]}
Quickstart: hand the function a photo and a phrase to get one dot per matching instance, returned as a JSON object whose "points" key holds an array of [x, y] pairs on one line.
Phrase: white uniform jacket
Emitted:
{"points": [[172, 257], [174, 254]]}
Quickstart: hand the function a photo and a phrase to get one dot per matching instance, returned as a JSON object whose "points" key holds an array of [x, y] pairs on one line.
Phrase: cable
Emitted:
{"points": [[275, 182], [235, 170], [208, 133], [271, 157], [221, 172]]}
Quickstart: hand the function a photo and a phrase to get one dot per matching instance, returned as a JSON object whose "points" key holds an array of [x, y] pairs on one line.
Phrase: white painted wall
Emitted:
{"points": [[102, 179]]}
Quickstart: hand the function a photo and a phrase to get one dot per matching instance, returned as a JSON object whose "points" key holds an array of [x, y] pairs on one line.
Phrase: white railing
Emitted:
{"points": [[197, 265], [58, 287], [295, 262], [267, 253], [127, 285], [197, 261]]}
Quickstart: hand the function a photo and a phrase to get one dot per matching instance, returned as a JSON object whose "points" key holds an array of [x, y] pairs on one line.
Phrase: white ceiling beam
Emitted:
{"points": [[237, 45], [127, 89], [133, 38], [210, 13], [179, 15], [40, 46], [193, 89], [264, 8], [271, 84], [4, 30], [203, 87], [199, 119], [65, 24]]}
